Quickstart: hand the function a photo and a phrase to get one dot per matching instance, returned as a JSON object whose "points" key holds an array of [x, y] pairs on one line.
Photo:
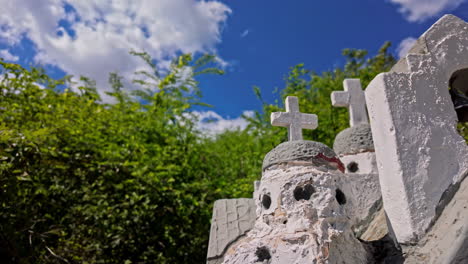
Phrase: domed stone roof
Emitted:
{"points": [[354, 140], [316, 153]]}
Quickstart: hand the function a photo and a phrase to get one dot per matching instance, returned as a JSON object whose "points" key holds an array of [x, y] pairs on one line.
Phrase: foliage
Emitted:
{"points": [[463, 130]]}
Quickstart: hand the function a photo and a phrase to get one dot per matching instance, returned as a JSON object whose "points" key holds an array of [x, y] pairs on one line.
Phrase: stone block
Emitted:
{"points": [[447, 241], [419, 152], [232, 218]]}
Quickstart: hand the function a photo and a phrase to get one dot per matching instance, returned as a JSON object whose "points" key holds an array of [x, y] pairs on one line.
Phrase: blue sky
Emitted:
{"points": [[257, 40]]}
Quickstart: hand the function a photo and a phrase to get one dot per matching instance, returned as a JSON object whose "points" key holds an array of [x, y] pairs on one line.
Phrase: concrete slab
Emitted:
{"points": [[232, 218], [447, 241], [419, 151]]}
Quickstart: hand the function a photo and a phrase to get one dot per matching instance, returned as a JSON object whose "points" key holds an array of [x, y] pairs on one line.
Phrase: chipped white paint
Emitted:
{"points": [[363, 180], [419, 151], [300, 231], [294, 120], [353, 98]]}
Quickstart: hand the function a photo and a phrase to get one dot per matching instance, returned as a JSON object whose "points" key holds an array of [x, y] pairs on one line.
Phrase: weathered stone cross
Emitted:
{"points": [[294, 120], [353, 98]]}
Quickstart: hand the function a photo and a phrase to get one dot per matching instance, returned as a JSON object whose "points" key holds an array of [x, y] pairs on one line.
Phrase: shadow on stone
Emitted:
{"points": [[340, 197], [384, 251], [303, 192], [262, 254], [266, 201]]}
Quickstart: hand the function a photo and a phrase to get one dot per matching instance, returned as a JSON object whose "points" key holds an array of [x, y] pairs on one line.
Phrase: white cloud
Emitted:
{"points": [[100, 34], [245, 33], [420, 10], [5, 54], [404, 46], [212, 123]]}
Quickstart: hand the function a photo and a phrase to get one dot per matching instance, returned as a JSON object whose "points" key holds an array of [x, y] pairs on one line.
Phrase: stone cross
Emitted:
{"points": [[294, 120], [352, 98]]}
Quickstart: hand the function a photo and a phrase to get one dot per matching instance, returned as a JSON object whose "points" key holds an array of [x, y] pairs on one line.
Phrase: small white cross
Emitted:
{"points": [[353, 98], [294, 120]]}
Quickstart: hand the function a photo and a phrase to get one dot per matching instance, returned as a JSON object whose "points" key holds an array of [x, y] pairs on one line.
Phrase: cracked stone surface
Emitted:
{"points": [[447, 241], [232, 218]]}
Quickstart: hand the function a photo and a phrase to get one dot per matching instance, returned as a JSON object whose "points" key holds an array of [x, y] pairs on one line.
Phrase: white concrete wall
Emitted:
{"points": [[419, 151], [364, 189]]}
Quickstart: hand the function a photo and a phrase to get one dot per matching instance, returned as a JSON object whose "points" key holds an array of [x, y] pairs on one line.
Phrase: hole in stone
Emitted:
{"points": [[352, 166], [303, 192], [340, 197], [458, 85], [262, 254], [297, 193], [266, 201], [308, 191], [285, 222]]}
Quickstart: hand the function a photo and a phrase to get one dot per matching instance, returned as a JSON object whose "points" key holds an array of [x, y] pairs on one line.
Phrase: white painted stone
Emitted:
{"points": [[364, 188], [353, 98], [447, 241], [355, 148], [294, 120], [419, 151], [232, 218], [366, 162], [306, 231]]}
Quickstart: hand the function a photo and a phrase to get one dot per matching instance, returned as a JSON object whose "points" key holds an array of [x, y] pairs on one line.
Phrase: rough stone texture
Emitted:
{"points": [[316, 230], [419, 151], [419, 47], [447, 241], [294, 120], [364, 190], [353, 140], [232, 218], [363, 182], [302, 151], [353, 98], [377, 228]]}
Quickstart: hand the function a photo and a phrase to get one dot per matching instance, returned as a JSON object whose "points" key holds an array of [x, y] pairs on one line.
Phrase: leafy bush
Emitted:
{"points": [[88, 182]]}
